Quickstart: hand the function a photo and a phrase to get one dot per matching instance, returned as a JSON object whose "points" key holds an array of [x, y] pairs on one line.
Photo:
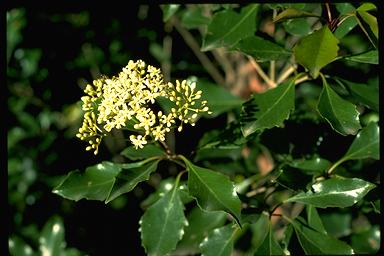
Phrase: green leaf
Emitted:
{"points": [[367, 7], [200, 223], [162, 224], [148, 151], [212, 190], [334, 192], [339, 113], [94, 184], [17, 247], [337, 224], [292, 13], [316, 243], [228, 27], [259, 231], [52, 237], [316, 50], [366, 93], [366, 144], [297, 27], [370, 20], [370, 57], [314, 220], [367, 242], [219, 241], [219, 99], [312, 166], [260, 49], [129, 178], [194, 18], [269, 245], [169, 10], [269, 109], [349, 23]]}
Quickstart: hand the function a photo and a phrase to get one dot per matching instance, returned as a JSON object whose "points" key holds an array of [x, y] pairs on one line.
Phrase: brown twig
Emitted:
{"points": [[259, 70]]}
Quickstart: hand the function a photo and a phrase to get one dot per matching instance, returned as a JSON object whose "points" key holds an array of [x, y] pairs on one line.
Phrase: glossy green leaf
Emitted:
{"points": [[17, 247], [298, 27], [162, 224], [292, 13], [367, 242], [269, 109], [334, 192], [200, 223], [212, 190], [314, 220], [366, 144], [259, 231], [370, 57], [219, 241], [194, 18], [260, 49], [316, 243], [367, 7], [169, 10], [149, 150], [339, 113], [366, 93], [269, 245], [228, 27], [337, 224], [52, 237], [129, 178], [94, 184], [312, 166], [316, 50]]}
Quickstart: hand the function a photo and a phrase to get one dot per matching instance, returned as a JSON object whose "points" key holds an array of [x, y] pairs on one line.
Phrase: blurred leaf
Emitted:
{"points": [[52, 237], [367, 94], [297, 27], [370, 57], [219, 99], [337, 224], [148, 151], [365, 145], [200, 223], [162, 224], [228, 27], [334, 192], [157, 51], [129, 178], [193, 18], [17, 247], [314, 220], [316, 243], [316, 50], [15, 23], [287, 5], [292, 13], [269, 245], [169, 10], [339, 113], [312, 166], [269, 109], [219, 241], [98, 181], [212, 190], [259, 232], [367, 242], [260, 49]]}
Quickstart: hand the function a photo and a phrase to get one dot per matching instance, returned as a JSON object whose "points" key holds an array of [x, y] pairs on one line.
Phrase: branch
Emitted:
{"points": [[205, 61], [269, 82]]}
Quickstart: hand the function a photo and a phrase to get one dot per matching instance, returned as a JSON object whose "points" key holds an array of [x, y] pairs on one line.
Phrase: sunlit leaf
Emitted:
{"points": [[334, 192], [292, 13], [370, 57], [260, 49], [17, 247], [52, 237], [212, 190], [340, 114], [162, 224], [219, 241], [228, 27], [316, 243], [366, 144], [149, 150], [316, 50], [269, 109], [314, 220], [369, 18]]}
